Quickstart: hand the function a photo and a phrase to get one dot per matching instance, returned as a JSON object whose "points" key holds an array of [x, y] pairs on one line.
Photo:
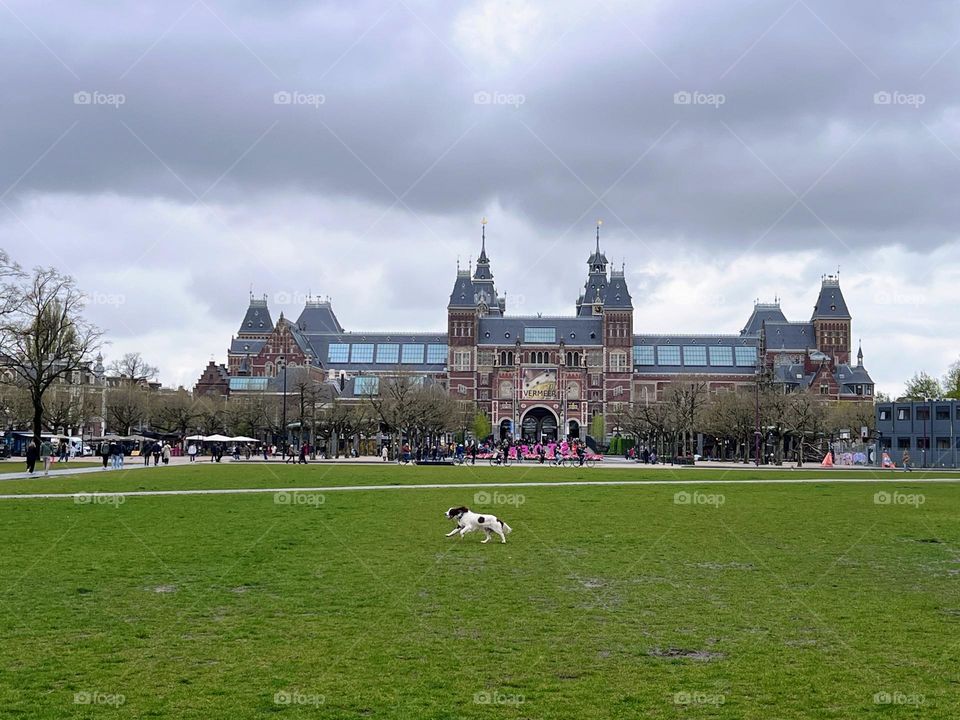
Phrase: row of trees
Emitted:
{"points": [[923, 386], [44, 338], [790, 422]]}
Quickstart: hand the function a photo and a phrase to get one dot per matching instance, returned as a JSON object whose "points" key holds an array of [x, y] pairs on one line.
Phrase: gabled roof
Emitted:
{"points": [[830, 303]]}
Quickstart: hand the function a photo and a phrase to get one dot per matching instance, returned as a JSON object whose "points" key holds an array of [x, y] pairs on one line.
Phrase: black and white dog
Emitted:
{"points": [[468, 521]]}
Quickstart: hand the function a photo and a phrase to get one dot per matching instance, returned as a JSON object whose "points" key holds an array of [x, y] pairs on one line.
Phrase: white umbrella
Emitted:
{"points": [[243, 438], [196, 437], [217, 438]]}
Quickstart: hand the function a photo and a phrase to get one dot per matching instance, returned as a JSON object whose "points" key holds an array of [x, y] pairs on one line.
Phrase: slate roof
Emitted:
{"points": [[318, 316], [617, 295], [830, 303], [762, 312], [257, 320], [572, 330], [789, 336], [462, 295]]}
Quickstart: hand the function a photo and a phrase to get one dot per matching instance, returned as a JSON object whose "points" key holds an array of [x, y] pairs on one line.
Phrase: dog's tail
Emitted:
{"points": [[506, 528]]}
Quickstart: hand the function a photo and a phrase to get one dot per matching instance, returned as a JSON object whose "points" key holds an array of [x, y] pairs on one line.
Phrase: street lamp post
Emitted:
{"points": [[283, 362], [756, 431]]}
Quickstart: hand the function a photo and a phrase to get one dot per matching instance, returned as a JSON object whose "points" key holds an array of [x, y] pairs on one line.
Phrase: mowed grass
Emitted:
{"points": [[206, 475], [18, 466], [750, 601]]}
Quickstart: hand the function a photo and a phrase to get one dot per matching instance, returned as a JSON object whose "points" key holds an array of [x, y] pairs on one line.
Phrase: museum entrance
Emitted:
{"points": [[539, 425]]}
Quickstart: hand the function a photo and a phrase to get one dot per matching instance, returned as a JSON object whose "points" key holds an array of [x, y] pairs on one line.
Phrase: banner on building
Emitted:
{"points": [[540, 384]]}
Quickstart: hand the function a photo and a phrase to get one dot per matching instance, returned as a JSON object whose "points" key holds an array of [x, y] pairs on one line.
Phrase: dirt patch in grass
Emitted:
{"points": [[673, 653], [162, 589]]}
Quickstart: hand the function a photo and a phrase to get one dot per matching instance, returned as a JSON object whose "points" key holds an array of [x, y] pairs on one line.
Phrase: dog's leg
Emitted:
{"points": [[452, 532], [499, 531], [486, 539]]}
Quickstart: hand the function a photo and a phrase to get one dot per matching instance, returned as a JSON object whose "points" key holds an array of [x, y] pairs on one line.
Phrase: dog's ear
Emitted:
{"points": [[457, 511]]}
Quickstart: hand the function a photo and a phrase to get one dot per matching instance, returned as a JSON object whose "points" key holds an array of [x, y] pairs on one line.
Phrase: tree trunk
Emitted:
{"points": [[37, 422]]}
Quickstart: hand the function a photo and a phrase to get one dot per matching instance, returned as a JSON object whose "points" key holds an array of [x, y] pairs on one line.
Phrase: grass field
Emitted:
{"points": [[693, 601]]}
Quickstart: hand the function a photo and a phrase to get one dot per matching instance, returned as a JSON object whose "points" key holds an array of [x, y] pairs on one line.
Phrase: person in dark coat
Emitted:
{"points": [[32, 454]]}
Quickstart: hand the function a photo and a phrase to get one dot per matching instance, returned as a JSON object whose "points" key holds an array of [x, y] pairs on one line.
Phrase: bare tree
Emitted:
{"points": [[133, 368], [174, 413], [46, 337], [127, 406]]}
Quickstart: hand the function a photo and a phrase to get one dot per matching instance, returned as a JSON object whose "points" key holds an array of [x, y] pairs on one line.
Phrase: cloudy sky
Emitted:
{"points": [[174, 154]]}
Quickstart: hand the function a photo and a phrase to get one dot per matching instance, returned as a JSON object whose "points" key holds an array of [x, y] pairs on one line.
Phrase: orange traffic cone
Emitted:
{"points": [[827, 460]]}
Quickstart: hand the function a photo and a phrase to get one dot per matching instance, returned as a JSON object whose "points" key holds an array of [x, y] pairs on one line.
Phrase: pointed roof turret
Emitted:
{"points": [[830, 304], [482, 273], [257, 320], [860, 354]]}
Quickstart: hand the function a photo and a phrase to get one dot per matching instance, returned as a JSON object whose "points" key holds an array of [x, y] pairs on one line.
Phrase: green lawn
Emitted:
{"points": [[271, 475], [748, 601], [18, 466]]}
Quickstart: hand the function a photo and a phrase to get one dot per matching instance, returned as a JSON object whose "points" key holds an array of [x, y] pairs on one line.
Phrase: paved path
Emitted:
{"points": [[86, 496]]}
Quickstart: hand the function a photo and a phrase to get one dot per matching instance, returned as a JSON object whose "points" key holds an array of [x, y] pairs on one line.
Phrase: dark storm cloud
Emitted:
{"points": [[593, 112]]}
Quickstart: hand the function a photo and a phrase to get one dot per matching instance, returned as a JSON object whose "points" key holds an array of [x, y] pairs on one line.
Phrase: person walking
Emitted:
{"points": [[146, 454], [192, 452], [32, 455], [384, 453], [46, 451], [104, 453], [302, 460], [165, 452], [906, 462], [157, 449]]}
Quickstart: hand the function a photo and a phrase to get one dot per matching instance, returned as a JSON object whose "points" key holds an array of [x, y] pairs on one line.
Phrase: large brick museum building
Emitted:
{"points": [[548, 376]]}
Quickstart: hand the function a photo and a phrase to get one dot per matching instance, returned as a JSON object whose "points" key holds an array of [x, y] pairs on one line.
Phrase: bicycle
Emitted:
{"points": [[499, 460]]}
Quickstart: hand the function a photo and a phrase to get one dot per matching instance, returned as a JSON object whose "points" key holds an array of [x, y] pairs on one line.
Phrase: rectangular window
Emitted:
{"points": [[436, 354], [903, 443], [923, 443], [411, 354], [668, 355], [884, 414], [824, 389], [943, 412], [361, 353], [595, 358], [746, 356], [903, 413], [721, 356], [366, 385], [694, 355], [461, 360], [923, 413], [618, 361], [542, 335], [643, 355], [485, 357], [943, 443], [388, 353], [248, 383], [339, 353]]}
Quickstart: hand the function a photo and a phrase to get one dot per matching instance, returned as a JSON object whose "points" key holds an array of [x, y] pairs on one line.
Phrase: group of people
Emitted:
{"points": [[44, 452], [158, 450]]}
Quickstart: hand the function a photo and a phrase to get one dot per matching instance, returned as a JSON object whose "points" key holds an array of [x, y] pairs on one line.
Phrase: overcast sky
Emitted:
{"points": [[174, 154]]}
